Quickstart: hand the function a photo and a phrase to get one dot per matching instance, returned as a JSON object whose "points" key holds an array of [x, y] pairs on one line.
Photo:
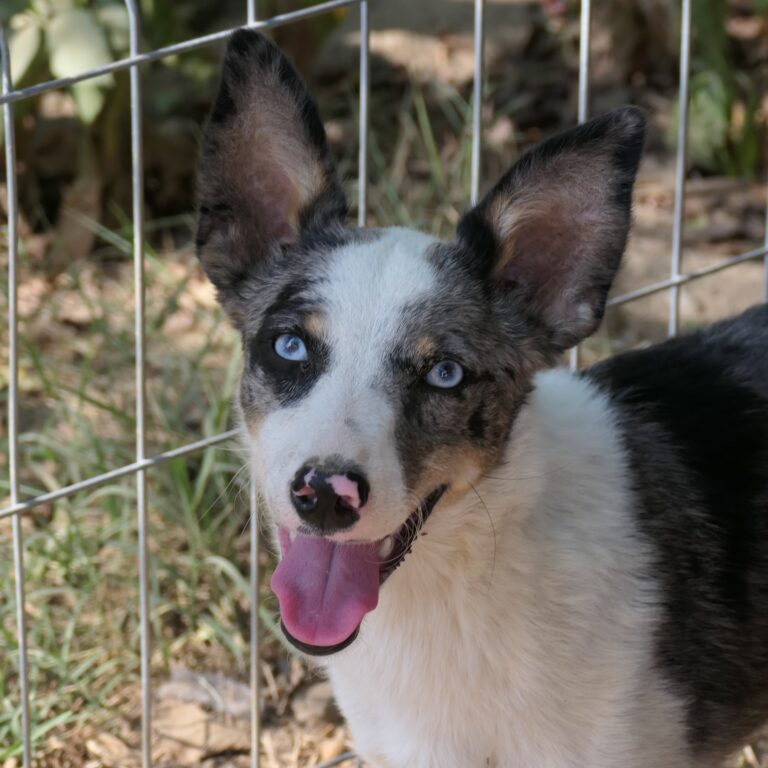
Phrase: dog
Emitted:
{"points": [[498, 562]]}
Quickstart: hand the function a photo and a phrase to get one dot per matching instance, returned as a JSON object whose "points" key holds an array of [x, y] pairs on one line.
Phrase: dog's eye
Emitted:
{"points": [[291, 347], [445, 374]]}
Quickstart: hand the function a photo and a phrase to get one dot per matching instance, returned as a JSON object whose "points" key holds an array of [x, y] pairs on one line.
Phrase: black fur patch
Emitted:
{"points": [[224, 107], [288, 380], [694, 414], [480, 244], [477, 423]]}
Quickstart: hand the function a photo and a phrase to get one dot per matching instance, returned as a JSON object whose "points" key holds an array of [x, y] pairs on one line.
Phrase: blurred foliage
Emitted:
{"points": [[61, 38], [66, 37], [725, 135], [636, 45], [73, 145]]}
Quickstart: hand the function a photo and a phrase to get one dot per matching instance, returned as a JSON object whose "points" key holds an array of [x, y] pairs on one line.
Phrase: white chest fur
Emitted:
{"points": [[518, 633]]}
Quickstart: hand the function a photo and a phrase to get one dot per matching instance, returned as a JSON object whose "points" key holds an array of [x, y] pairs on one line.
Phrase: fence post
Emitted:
{"points": [[362, 162], [477, 100], [137, 181], [255, 633], [585, 28], [13, 396], [680, 168]]}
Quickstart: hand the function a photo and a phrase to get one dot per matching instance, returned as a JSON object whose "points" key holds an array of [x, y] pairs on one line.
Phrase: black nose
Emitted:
{"points": [[329, 500]]}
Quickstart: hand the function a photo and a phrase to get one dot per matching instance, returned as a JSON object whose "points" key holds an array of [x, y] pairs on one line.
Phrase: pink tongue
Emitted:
{"points": [[325, 588]]}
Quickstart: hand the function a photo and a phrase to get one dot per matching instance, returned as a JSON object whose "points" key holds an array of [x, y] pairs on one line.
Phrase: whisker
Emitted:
{"points": [[493, 530], [223, 492], [245, 525]]}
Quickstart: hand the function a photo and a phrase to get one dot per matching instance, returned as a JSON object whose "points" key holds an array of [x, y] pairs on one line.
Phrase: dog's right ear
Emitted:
{"points": [[266, 173], [551, 233]]}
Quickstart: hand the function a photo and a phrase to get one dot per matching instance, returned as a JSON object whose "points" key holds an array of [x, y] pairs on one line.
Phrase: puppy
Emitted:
{"points": [[499, 563]]}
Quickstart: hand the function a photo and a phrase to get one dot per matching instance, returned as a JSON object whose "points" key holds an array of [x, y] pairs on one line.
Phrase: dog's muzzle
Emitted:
{"points": [[326, 587]]}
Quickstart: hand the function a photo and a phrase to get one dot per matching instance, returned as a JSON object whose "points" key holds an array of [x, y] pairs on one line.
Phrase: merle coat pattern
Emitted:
{"points": [[498, 562]]}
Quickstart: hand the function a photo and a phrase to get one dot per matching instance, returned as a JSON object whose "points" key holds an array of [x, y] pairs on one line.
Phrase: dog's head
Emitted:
{"points": [[383, 367]]}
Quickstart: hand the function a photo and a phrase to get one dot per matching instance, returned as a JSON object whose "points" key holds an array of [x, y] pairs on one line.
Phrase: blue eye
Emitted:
{"points": [[445, 375], [291, 347]]}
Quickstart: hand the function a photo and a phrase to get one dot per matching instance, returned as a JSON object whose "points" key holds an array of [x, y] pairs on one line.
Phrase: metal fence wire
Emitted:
{"points": [[143, 463]]}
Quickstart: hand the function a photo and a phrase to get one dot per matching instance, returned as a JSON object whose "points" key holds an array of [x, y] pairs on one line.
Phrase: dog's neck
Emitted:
{"points": [[492, 594]]}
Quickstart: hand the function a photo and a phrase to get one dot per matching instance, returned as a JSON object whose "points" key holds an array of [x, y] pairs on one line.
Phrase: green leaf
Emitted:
{"points": [[24, 45], [54, 6], [77, 43], [114, 18], [709, 119], [89, 97]]}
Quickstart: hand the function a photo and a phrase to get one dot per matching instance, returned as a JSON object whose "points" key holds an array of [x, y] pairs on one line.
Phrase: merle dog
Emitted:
{"points": [[500, 563]]}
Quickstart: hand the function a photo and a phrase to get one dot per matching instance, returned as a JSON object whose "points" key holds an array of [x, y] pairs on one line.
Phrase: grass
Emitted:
{"points": [[80, 552], [423, 182]]}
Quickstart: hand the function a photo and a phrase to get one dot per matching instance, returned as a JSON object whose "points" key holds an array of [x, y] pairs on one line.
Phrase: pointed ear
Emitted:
{"points": [[553, 230], [266, 173]]}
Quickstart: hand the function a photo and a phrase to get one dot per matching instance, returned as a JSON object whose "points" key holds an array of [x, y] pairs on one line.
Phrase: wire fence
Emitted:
{"points": [[143, 464]]}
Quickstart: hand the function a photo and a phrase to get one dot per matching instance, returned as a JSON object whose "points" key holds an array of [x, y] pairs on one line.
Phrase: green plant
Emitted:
{"points": [[65, 37], [81, 551], [724, 134]]}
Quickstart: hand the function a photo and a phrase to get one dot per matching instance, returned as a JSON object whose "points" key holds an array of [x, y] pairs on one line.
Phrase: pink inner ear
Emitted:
{"points": [[552, 251], [273, 204], [544, 251]]}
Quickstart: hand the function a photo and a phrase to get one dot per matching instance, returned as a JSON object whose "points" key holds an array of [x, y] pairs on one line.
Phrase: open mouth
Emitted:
{"points": [[402, 540], [325, 587]]}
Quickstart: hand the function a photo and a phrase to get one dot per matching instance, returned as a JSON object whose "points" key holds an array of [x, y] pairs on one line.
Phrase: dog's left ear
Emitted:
{"points": [[553, 230]]}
